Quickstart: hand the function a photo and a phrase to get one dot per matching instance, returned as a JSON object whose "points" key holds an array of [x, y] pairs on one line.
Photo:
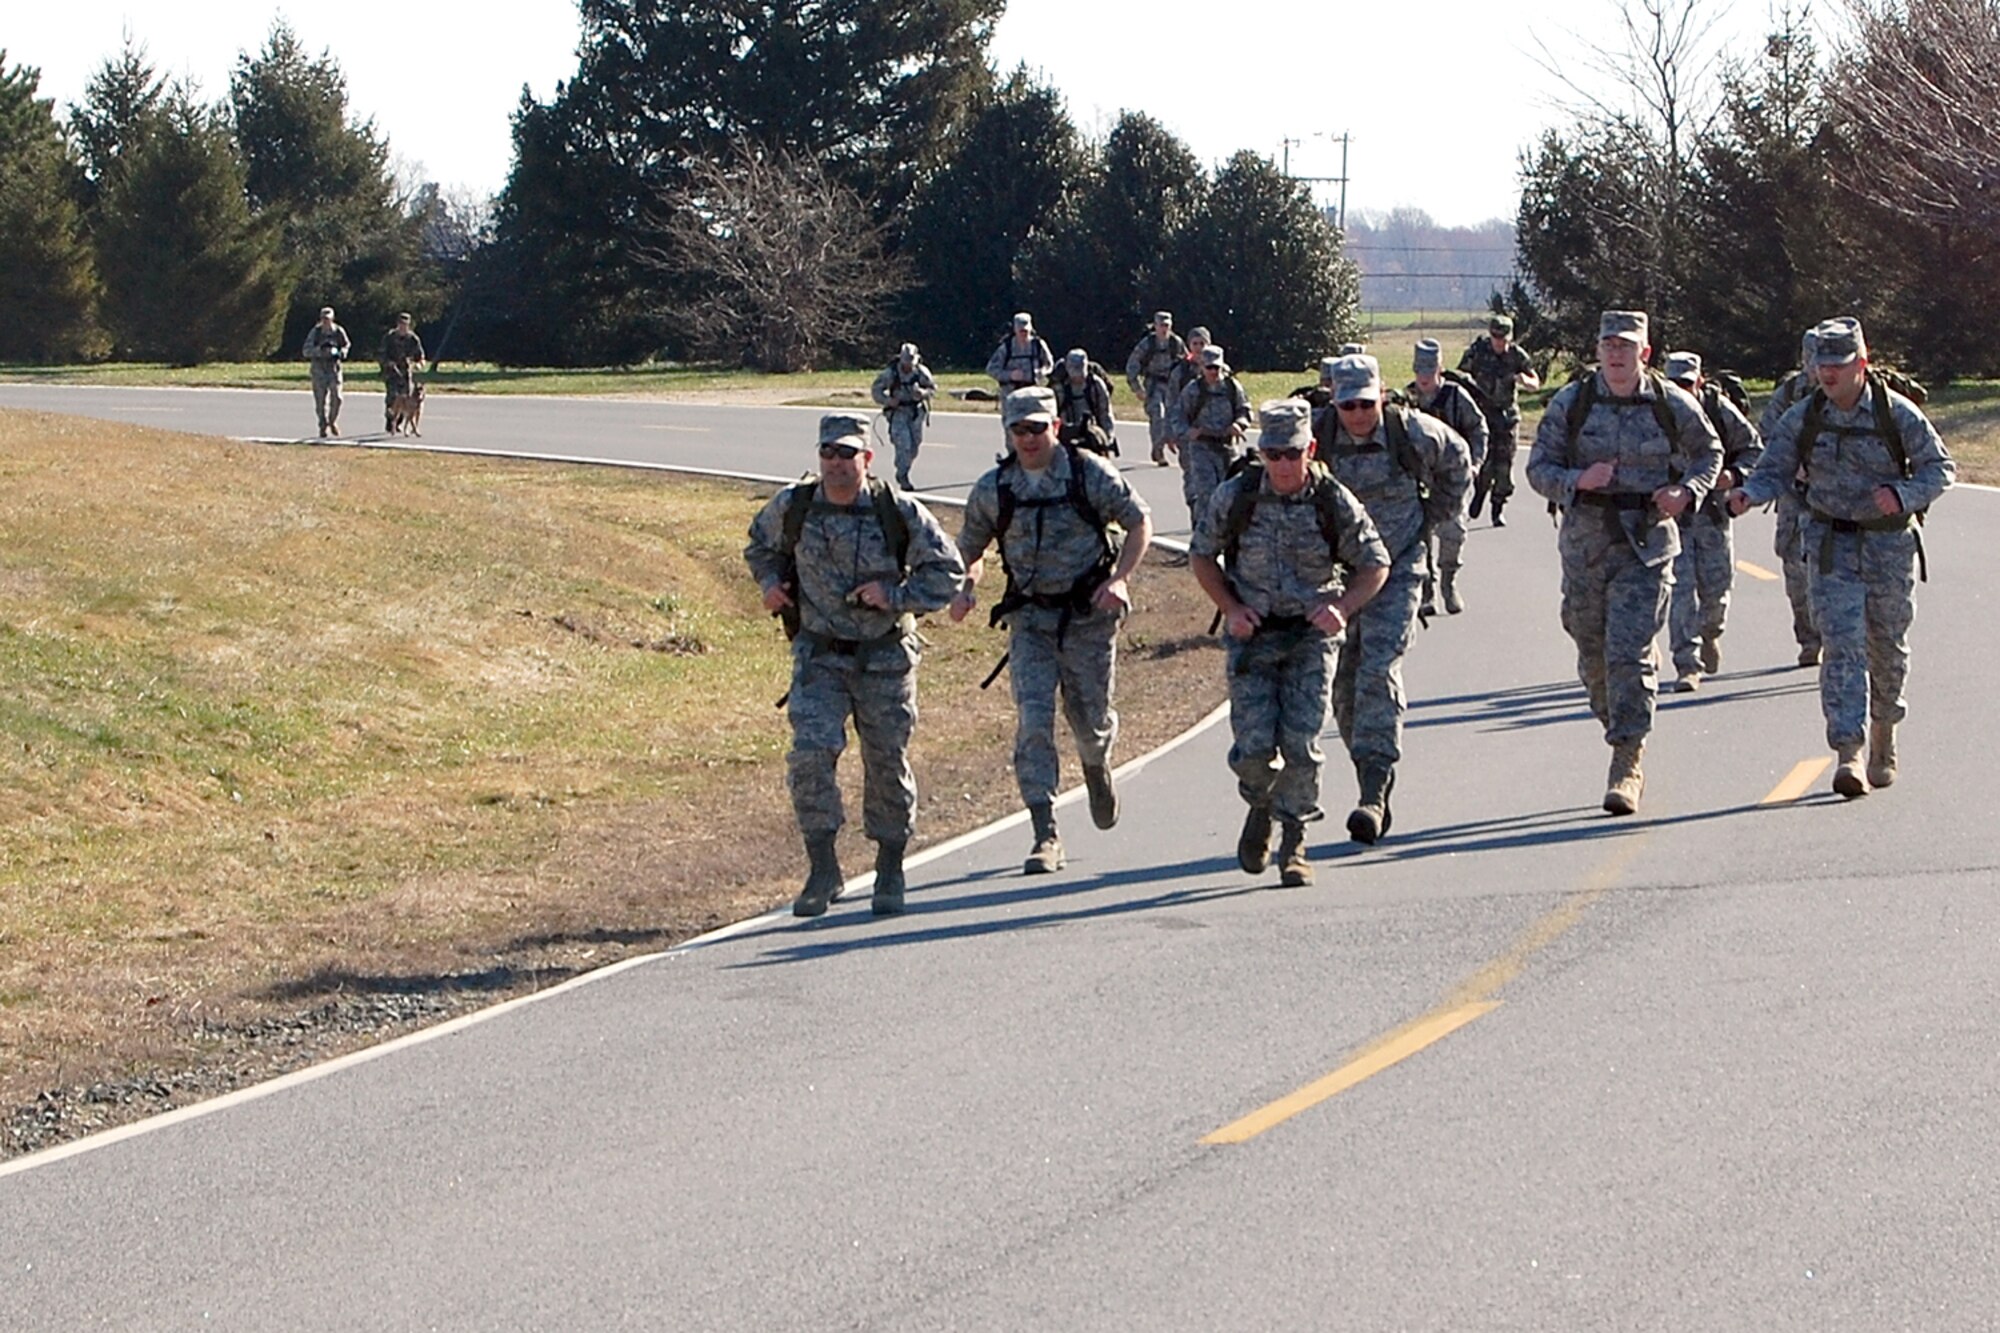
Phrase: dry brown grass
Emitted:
{"points": [[279, 724]]}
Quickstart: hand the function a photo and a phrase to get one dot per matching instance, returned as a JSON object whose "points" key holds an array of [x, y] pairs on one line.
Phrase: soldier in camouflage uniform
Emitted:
{"points": [[1408, 469], [1083, 403], [1269, 551], [1054, 511], [1318, 397], [904, 391], [1150, 372], [1435, 394], [834, 568], [325, 351], [1501, 370], [401, 356], [1186, 373], [1705, 569], [1786, 543], [1214, 414], [1021, 361], [1608, 453], [1874, 463]]}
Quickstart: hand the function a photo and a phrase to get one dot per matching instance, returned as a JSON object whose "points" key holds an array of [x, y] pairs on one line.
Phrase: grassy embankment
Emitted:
{"points": [[280, 724]]}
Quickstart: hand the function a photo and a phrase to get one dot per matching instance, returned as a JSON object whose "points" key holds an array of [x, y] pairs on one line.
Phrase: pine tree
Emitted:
{"points": [[48, 286]]}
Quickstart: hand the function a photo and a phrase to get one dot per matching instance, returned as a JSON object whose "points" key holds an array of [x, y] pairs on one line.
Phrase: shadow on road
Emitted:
{"points": [[1543, 705]]}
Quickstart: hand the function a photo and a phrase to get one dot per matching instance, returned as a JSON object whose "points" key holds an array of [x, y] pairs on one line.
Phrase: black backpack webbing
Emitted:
{"points": [[1076, 497]]}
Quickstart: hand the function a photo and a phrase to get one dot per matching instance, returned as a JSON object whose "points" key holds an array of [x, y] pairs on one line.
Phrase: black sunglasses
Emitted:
{"points": [[1029, 427], [1282, 455], [1356, 405], [840, 451]]}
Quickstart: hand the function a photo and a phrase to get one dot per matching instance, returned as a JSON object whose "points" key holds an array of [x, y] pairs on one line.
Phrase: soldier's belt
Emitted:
{"points": [[1284, 624], [1615, 499], [1885, 523], [827, 643]]}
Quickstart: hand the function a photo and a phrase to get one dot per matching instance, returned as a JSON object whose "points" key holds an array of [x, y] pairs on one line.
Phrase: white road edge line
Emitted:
{"points": [[312, 1073]]}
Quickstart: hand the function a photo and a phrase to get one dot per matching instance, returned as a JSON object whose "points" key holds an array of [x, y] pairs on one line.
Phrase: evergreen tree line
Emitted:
{"points": [[1800, 186], [148, 224]]}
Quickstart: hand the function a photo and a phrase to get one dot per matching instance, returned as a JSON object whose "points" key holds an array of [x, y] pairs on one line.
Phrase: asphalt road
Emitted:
{"points": [[1731, 1064]]}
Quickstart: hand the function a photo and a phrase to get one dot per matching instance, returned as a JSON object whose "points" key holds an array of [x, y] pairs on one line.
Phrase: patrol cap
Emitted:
{"points": [[1198, 332], [1627, 324], [1024, 320], [1326, 365], [326, 312], [1030, 404], [1839, 342], [1211, 355], [1284, 423], [908, 352], [1356, 378], [1683, 368], [1163, 316], [1501, 324], [1078, 358], [1429, 357], [844, 428], [403, 318], [1353, 349]]}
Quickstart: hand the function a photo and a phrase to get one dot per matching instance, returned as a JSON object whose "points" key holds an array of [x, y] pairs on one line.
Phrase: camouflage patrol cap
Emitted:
{"points": [[1024, 320], [1839, 342], [1030, 404], [1284, 423], [1163, 316], [1683, 368], [907, 352], [1211, 355], [1627, 324], [1077, 358], [403, 318], [1326, 365], [326, 312], [1357, 378], [844, 428], [1354, 349], [1198, 332], [1429, 357], [1501, 324]]}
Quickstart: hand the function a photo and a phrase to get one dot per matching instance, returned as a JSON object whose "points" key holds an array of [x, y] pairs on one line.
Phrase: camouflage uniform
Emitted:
{"points": [[1057, 641], [1860, 566], [1495, 373], [1368, 698], [1212, 424], [850, 659], [1705, 569], [1082, 402], [325, 351], [1452, 405], [1021, 360], [1617, 550], [904, 394], [1281, 678], [1150, 371], [1786, 542], [400, 352]]}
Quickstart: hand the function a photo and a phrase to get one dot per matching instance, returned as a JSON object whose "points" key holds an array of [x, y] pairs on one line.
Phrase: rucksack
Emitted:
{"points": [[1242, 505], [805, 494], [1471, 386], [1730, 385], [1884, 428], [1077, 498], [1586, 398], [1238, 400]]}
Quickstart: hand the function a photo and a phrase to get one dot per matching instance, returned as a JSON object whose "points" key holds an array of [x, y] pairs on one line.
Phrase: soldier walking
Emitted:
{"points": [[1083, 403], [1608, 453], [401, 356], [849, 564], [1214, 414], [1269, 550], [1705, 570], [1501, 370], [904, 391], [325, 351], [1408, 469], [1055, 512], [1786, 542], [1435, 393], [1022, 360], [1874, 465], [1150, 372]]}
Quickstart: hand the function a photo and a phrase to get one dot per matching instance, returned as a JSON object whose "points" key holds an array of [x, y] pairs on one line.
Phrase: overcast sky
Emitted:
{"points": [[1438, 104]]}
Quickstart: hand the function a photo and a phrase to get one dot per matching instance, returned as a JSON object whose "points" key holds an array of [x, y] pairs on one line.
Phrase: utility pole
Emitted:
{"points": [[1341, 180], [1286, 146]]}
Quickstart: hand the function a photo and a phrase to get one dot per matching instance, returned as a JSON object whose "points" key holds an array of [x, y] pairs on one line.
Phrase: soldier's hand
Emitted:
{"points": [[1739, 503], [877, 594], [1329, 618], [961, 605], [1726, 480], [1598, 476], [1672, 500], [1112, 595], [776, 598], [1242, 622], [1888, 502]]}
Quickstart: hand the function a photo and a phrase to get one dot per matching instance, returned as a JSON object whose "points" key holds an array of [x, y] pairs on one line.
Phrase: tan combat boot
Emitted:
{"points": [[1294, 871], [1847, 777], [1253, 845], [1626, 783], [1454, 601], [1881, 753], [1047, 856]]}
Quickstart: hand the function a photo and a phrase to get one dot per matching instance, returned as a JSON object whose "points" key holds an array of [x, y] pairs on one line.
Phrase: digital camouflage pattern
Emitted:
{"points": [[1149, 370], [400, 352], [1452, 405], [1212, 422], [1705, 569], [1617, 562], [1860, 567], [904, 394], [1494, 373], [325, 352], [1787, 543], [1019, 362], [850, 659]]}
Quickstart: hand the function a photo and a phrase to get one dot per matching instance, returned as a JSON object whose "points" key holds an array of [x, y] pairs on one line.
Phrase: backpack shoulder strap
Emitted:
{"points": [[1885, 422], [1663, 409], [1579, 408], [1003, 518], [804, 490], [1325, 505], [895, 529], [1249, 481]]}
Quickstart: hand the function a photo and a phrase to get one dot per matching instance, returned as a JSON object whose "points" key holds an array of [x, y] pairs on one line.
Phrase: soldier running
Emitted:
{"points": [[904, 391], [1501, 370], [1150, 372], [1435, 393], [1705, 570]]}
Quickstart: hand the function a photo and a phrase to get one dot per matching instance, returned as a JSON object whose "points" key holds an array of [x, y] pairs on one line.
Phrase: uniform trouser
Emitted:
{"points": [[326, 394], [1204, 466], [1446, 543], [1863, 599], [878, 689], [1613, 606], [1789, 546], [1083, 670], [1368, 700], [1496, 474], [906, 433], [1703, 573], [1159, 414], [1280, 685]]}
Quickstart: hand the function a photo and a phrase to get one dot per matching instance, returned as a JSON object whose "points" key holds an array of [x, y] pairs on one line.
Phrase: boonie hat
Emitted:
{"points": [[844, 428], [1429, 357], [1284, 423], [1356, 378], [1627, 324], [1198, 331], [1030, 404], [1683, 368]]}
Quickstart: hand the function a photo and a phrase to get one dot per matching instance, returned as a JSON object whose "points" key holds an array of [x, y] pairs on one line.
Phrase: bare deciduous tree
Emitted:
{"points": [[780, 264]]}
